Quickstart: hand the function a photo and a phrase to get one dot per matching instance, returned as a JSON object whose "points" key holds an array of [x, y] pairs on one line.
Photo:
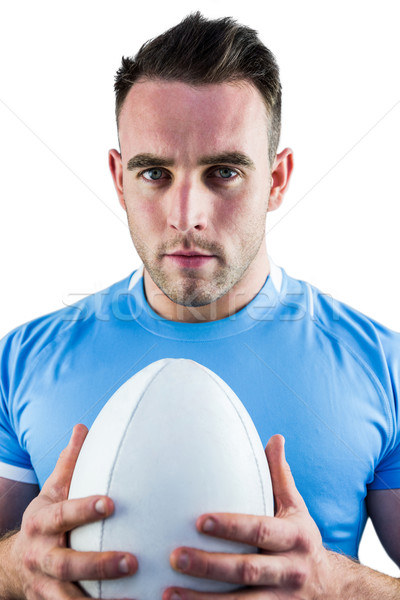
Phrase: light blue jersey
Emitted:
{"points": [[311, 368]]}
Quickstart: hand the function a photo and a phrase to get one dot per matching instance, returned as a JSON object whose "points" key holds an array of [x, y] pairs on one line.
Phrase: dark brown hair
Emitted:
{"points": [[200, 51]]}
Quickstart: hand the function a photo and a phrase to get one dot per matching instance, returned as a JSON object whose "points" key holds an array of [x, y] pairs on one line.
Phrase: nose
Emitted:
{"points": [[187, 207]]}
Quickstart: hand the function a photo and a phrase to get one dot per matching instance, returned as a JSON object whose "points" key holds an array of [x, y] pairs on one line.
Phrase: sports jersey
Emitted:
{"points": [[303, 364]]}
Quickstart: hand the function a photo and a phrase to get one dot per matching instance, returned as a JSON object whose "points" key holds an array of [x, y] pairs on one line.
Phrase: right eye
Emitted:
{"points": [[152, 174]]}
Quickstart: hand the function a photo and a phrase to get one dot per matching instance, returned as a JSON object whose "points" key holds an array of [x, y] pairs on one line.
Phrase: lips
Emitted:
{"points": [[189, 259], [188, 253]]}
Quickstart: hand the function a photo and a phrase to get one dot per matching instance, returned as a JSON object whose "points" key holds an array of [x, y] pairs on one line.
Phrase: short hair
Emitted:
{"points": [[200, 51]]}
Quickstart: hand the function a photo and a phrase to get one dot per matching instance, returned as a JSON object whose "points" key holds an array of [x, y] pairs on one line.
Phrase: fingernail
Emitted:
{"points": [[183, 561], [100, 506], [175, 596], [209, 524], [123, 565]]}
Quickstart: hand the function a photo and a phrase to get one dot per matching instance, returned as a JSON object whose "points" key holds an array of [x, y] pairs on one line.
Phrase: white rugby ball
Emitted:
{"points": [[172, 443]]}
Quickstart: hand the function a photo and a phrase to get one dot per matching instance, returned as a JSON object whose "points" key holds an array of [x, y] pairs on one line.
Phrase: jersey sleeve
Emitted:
{"points": [[14, 460], [387, 471]]}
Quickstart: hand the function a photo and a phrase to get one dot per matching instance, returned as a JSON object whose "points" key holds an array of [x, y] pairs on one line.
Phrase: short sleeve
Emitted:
{"points": [[14, 460]]}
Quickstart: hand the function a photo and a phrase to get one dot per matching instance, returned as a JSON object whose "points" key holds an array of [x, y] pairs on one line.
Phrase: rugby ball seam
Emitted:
{"points": [[246, 432], [118, 453]]}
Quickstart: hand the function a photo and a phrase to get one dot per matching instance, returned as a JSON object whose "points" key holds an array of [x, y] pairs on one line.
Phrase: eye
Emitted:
{"points": [[152, 174], [226, 173]]}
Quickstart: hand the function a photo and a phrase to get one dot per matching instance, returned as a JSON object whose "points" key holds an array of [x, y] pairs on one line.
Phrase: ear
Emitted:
{"points": [[115, 164], [280, 175]]}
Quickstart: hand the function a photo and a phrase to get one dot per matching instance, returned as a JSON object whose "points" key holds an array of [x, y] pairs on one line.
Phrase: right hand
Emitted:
{"points": [[44, 566]]}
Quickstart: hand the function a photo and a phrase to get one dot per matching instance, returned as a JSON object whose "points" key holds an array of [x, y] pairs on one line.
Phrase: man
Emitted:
{"points": [[198, 115]]}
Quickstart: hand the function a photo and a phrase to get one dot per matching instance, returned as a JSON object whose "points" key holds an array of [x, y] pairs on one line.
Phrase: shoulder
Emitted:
{"points": [[336, 317], [355, 329], [375, 347], [27, 341]]}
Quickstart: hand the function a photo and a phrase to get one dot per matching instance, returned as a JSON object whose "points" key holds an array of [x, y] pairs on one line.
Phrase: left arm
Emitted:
{"points": [[292, 562], [383, 508]]}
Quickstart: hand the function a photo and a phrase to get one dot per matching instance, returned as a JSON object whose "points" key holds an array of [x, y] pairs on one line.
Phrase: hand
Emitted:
{"points": [[44, 566], [291, 563]]}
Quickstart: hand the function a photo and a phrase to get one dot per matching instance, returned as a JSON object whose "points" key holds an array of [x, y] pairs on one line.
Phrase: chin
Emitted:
{"points": [[194, 291], [193, 298]]}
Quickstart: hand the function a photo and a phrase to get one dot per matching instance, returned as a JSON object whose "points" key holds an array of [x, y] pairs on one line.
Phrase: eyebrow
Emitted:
{"points": [[146, 159]]}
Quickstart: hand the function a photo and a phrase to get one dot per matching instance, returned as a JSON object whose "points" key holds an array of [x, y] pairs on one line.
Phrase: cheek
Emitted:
{"points": [[145, 216], [241, 217]]}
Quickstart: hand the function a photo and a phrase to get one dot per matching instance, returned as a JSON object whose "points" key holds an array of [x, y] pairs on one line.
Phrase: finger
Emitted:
{"points": [[65, 564], [267, 533], [242, 569], [260, 593], [57, 484], [63, 516], [286, 494], [47, 587]]}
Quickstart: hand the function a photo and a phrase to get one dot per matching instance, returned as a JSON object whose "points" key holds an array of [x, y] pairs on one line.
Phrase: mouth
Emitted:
{"points": [[189, 259]]}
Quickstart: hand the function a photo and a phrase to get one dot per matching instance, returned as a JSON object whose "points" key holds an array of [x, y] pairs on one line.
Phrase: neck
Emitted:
{"points": [[237, 298]]}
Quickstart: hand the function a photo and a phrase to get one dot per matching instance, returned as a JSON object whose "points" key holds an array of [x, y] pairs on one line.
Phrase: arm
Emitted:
{"points": [[34, 561], [14, 498], [292, 562], [383, 508]]}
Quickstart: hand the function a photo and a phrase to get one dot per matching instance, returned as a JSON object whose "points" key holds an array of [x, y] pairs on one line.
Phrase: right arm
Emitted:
{"points": [[34, 560], [14, 498]]}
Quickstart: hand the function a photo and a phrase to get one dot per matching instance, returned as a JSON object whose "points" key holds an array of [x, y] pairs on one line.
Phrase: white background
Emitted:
{"points": [[62, 232]]}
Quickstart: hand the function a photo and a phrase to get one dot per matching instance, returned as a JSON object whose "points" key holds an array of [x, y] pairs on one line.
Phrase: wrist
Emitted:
{"points": [[353, 581], [10, 568], [342, 575]]}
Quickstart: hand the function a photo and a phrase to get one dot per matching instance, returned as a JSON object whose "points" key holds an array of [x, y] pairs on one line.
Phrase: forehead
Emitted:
{"points": [[160, 115]]}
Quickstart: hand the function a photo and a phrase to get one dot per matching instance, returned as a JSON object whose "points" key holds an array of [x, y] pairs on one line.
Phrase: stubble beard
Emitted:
{"points": [[191, 289]]}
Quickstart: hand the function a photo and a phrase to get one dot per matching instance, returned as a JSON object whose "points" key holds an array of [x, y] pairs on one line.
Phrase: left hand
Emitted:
{"points": [[292, 561]]}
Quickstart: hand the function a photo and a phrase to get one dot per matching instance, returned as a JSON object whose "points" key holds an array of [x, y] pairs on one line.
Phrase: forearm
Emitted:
{"points": [[353, 581], [9, 580]]}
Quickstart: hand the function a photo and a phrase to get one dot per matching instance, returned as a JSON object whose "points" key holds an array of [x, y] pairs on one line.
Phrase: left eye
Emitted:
{"points": [[225, 173]]}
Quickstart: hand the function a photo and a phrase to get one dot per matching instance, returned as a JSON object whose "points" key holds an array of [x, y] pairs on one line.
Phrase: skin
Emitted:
{"points": [[292, 563], [35, 562], [191, 206], [191, 209]]}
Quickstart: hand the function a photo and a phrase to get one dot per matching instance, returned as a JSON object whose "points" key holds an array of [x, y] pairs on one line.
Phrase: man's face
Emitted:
{"points": [[195, 180]]}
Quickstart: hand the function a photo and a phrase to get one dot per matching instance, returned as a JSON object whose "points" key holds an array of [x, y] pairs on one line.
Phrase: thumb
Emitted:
{"points": [[57, 484], [286, 494]]}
